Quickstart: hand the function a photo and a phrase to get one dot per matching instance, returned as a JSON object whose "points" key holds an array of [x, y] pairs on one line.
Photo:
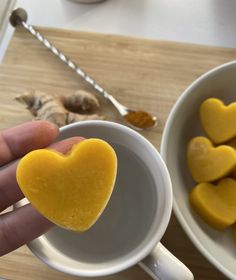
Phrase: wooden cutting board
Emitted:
{"points": [[144, 74]]}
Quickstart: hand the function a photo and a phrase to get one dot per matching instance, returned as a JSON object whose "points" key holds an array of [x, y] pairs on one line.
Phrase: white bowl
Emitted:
{"points": [[183, 124]]}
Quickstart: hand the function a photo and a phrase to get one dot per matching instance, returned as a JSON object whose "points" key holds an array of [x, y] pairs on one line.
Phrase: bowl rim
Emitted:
{"points": [[163, 152]]}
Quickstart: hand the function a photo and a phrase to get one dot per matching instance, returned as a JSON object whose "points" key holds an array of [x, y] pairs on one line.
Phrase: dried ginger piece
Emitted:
{"points": [[46, 107], [81, 101]]}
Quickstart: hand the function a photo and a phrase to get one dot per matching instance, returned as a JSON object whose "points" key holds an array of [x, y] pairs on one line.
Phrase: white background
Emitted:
{"points": [[208, 22]]}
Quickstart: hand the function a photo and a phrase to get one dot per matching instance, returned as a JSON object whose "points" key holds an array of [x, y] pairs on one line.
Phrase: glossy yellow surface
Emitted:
{"points": [[208, 163], [216, 204], [70, 190], [218, 120]]}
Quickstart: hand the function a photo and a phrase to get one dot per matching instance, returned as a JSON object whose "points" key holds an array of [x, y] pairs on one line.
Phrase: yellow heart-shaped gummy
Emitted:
{"points": [[70, 190], [218, 120], [215, 204], [207, 163]]}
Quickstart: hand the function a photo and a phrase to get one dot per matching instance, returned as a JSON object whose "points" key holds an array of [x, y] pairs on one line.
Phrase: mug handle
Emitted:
{"points": [[160, 264]]}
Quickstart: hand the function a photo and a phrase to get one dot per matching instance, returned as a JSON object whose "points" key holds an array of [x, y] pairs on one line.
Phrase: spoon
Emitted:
{"points": [[138, 120]]}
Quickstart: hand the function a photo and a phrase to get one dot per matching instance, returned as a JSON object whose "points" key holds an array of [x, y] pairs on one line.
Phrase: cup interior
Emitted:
{"points": [[136, 215]]}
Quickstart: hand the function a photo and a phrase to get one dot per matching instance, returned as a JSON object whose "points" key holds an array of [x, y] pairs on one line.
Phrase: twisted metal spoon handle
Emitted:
{"points": [[19, 17]]}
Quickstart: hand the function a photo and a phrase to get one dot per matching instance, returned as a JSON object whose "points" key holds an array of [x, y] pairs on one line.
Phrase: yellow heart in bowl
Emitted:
{"points": [[218, 120], [208, 163], [70, 190], [216, 204]]}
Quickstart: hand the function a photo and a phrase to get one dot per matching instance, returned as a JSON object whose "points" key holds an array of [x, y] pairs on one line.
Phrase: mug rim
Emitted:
{"points": [[162, 224]]}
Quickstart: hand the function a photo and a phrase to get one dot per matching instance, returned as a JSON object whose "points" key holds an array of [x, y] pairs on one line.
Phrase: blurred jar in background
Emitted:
{"points": [[87, 1]]}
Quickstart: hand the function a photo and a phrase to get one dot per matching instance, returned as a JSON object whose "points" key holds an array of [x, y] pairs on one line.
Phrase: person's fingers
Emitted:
{"points": [[10, 192], [19, 140], [20, 227], [24, 224], [65, 146]]}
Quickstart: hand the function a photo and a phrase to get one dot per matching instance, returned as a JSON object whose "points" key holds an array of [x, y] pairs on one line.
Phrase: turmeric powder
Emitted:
{"points": [[140, 119]]}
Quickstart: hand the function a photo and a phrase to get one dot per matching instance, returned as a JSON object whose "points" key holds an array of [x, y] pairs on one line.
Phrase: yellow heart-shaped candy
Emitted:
{"points": [[216, 204], [218, 120], [208, 163], [70, 190]]}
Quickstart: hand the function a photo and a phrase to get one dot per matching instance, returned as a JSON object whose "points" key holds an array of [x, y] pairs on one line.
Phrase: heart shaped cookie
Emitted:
{"points": [[207, 163], [218, 120], [70, 190], [216, 204]]}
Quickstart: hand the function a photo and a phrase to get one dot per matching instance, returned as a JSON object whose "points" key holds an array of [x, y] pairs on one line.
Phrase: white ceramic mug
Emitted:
{"points": [[129, 230]]}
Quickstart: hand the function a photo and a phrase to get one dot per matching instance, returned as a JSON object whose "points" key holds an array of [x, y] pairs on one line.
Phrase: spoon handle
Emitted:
{"points": [[19, 17]]}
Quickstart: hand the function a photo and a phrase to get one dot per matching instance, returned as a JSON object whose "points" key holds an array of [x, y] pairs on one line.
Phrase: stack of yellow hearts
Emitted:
{"points": [[70, 190], [212, 164]]}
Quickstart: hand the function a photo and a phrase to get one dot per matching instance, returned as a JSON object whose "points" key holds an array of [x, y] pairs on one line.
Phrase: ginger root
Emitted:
{"points": [[61, 110], [80, 102]]}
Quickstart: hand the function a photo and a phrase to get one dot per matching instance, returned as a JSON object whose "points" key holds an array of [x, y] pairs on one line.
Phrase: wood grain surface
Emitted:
{"points": [[144, 74]]}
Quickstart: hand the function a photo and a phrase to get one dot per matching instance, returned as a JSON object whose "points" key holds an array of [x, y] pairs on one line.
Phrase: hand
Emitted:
{"points": [[24, 224]]}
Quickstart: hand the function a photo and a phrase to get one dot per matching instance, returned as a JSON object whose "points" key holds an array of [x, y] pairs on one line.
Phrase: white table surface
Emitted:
{"points": [[208, 22]]}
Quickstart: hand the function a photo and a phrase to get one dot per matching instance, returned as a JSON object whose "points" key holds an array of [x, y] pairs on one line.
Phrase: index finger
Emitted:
{"points": [[19, 140]]}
